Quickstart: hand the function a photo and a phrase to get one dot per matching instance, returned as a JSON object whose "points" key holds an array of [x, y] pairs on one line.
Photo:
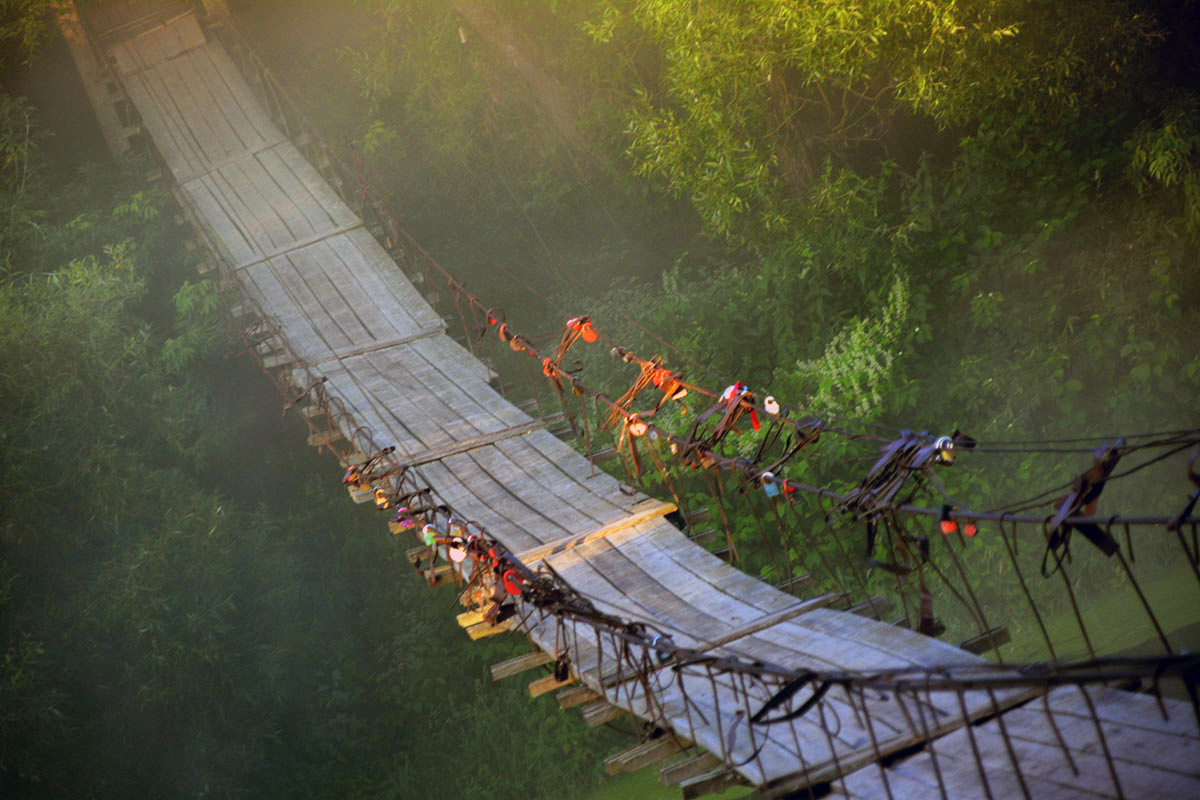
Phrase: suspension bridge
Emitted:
{"points": [[629, 617]]}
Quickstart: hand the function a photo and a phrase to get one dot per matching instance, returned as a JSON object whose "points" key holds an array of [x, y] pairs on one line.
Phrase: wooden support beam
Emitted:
{"points": [[515, 666], [599, 712], [469, 618], [877, 607], [324, 439], [642, 755], [440, 575], [418, 554], [485, 629], [989, 639], [548, 683], [603, 455], [710, 783], [576, 696], [645, 511], [276, 360], [475, 442], [770, 620], [797, 584], [680, 771], [425, 334], [298, 244]]}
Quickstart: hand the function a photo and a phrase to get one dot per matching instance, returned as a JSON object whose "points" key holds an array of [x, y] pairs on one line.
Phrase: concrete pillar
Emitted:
{"points": [[95, 77]]}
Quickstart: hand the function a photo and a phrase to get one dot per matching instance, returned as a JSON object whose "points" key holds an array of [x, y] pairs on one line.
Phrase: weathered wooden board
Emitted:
{"points": [[647, 511], [198, 116], [113, 19], [604, 570], [343, 296], [1152, 756], [418, 397], [712, 571], [244, 205], [153, 45]]}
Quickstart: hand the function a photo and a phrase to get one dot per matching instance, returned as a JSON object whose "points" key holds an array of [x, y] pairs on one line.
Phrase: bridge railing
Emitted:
{"points": [[785, 537]]}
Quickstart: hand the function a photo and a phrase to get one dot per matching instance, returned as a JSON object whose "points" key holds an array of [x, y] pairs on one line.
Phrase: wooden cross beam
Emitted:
{"points": [[645, 511]]}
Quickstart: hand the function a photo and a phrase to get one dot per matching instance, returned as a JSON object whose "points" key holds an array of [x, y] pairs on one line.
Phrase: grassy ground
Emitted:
{"points": [[1117, 622]]}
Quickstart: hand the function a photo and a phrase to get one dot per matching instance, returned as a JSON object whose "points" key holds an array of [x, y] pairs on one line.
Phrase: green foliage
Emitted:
{"points": [[202, 326], [23, 28], [184, 609], [1168, 153], [854, 375], [752, 97]]}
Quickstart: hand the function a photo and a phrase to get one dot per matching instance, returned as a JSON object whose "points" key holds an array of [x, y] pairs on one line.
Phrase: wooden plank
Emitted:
{"points": [[295, 179], [1148, 764], [549, 683], [642, 755], [220, 219], [439, 453], [771, 620], [417, 554], [324, 439], [192, 114], [877, 607], [680, 771], [592, 502], [379, 346], [576, 696], [463, 493], [797, 584], [522, 663], [496, 503], [645, 511], [717, 780], [989, 640], [253, 126], [714, 572], [469, 618], [276, 361], [157, 43], [734, 610], [599, 712], [486, 629]]}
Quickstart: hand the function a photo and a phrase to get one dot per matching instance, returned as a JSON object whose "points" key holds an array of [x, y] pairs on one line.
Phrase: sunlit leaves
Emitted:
{"points": [[1168, 152]]}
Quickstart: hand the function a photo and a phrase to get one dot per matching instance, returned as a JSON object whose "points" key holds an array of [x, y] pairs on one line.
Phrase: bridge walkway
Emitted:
{"points": [[304, 260]]}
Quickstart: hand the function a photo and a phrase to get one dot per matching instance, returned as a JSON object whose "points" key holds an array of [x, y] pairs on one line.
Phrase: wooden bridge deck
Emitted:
{"points": [[304, 259]]}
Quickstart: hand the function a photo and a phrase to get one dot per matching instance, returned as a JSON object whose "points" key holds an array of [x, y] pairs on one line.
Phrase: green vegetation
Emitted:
{"points": [[902, 213], [188, 604], [892, 185], [906, 213]]}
